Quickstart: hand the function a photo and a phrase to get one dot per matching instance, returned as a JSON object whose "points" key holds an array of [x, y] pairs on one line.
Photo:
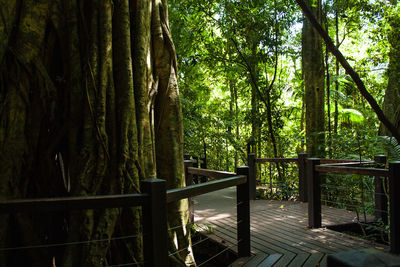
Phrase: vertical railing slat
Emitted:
{"points": [[301, 162], [189, 181], [196, 178], [381, 201], [203, 165], [251, 162], [155, 238], [394, 194]]}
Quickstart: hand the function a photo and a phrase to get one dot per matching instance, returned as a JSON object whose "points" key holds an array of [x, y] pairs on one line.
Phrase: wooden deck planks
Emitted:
{"points": [[257, 259], [280, 228], [287, 240], [269, 261], [313, 260], [292, 227]]}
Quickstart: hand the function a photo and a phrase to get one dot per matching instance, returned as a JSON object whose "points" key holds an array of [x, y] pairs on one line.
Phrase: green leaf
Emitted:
{"points": [[353, 115]]}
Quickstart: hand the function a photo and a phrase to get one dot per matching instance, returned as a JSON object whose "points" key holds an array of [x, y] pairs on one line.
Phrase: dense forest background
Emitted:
{"points": [[242, 78]]}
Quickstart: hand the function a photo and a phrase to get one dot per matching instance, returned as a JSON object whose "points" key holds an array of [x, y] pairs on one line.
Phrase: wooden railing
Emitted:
{"points": [[310, 186], [196, 162], [301, 163], [153, 200], [314, 168], [300, 160]]}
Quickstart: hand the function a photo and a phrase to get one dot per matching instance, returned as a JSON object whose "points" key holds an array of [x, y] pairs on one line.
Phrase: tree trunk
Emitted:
{"points": [[328, 92], [337, 69], [313, 71], [255, 125], [78, 84], [391, 102]]}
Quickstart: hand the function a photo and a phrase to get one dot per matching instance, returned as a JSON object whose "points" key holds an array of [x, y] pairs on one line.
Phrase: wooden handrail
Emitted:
{"points": [[210, 173], [352, 164], [200, 161], [264, 160], [72, 203], [323, 161], [332, 161], [199, 189], [352, 170]]}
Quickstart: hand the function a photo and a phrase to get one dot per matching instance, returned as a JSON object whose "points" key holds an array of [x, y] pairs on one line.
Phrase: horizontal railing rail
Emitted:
{"points": [[199, 161], [72, 203], [200, 189], [345, 169], [332, 161], [265, 160], [352, 164], [210, 173]]}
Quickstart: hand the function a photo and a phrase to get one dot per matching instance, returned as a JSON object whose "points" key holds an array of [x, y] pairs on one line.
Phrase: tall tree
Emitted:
{"points": [[81, 82], [313, 73]]}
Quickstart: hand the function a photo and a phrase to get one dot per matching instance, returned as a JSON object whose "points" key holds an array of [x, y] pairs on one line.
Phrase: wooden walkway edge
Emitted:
{"points": [[279, 232]]}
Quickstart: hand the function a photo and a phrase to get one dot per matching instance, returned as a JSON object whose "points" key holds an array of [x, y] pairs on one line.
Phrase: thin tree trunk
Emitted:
{"points": [[237, 132], [336, 113], [328, 93]]}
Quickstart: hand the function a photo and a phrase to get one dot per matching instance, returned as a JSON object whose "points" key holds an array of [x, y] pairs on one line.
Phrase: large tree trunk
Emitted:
{"points": [[313, 71], [78, 84]]}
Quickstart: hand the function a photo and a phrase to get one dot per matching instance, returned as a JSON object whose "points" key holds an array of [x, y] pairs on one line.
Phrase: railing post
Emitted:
{"points": [[314, 194], [203, 165], [243, 214], [381, 201], [189, 181], [394, 189], [251, 162], [155, 239], [301, 162], [196, 178]]}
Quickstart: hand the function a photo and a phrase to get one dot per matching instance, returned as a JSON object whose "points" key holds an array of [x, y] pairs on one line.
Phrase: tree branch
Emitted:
{"points": [[249, 69]]}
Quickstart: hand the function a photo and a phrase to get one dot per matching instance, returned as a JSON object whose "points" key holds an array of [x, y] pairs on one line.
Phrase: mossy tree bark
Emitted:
{"points": [[89, 106], [313, 71]]}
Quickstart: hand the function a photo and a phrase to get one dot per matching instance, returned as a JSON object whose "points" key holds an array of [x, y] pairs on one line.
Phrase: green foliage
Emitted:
{"points": [[390, 146], [225, 47]]}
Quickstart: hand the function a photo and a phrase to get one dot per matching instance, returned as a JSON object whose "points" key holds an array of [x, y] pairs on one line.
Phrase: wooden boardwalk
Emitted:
{"points": [[279, 232]]}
